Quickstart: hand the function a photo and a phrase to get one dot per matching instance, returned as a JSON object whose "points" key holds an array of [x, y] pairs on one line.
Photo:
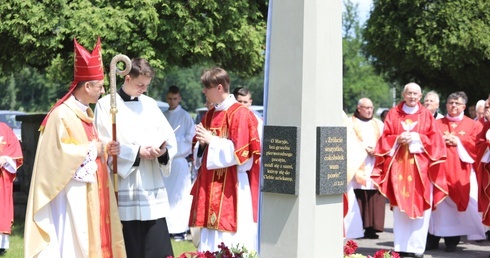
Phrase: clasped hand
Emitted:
{"points": [[202, 135], [152, 152], [450, 139], [405, 138]]}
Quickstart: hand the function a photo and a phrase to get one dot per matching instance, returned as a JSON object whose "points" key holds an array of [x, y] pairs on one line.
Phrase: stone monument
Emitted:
{"points": [[301, 211]]}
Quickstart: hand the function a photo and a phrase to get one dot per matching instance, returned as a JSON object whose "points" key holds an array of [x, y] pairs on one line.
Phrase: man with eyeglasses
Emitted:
{"points": [[371, 203], [457, 215], [407, 155]]}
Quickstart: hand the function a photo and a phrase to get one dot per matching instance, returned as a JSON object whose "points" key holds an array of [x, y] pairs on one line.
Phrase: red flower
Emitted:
{"points": [[350, 247], [379, 254]]}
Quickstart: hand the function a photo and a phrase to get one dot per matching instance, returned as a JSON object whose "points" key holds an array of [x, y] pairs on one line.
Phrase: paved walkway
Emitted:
{"points": [[465, 248]]}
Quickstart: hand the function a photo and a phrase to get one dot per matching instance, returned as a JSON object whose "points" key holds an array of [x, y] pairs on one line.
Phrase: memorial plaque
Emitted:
{"points": [[279, 159], [331, 160]]}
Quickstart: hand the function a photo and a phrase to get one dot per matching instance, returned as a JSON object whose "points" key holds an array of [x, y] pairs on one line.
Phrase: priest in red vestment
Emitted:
{"points": [[483, 167], [408, 153], [226, 189], [458, 214], [10, 160]]}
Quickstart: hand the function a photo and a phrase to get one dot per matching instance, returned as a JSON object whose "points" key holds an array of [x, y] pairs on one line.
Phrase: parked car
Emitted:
{"points": [[202, 110], [162, 105], [8, 117]]}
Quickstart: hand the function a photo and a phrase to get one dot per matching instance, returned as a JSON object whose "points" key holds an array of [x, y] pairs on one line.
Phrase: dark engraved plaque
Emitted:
{"points": [[331, 160], [279, 159]]}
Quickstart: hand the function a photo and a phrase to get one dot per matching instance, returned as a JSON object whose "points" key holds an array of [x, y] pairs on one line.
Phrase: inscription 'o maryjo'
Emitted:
{"points": [[279, 141], [335, 139]]}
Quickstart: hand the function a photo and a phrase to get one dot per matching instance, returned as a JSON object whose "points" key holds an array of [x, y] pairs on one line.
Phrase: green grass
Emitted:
{"points": [[182, 247], [17, 243], [16, 240]]}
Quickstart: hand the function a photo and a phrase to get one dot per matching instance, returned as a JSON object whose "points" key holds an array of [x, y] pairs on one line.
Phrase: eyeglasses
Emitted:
{"points": [[455, 103], [366, 107]]}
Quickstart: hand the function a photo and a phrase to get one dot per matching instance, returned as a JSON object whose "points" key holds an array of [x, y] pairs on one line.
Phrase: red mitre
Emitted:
{"points": [[88, 67]]}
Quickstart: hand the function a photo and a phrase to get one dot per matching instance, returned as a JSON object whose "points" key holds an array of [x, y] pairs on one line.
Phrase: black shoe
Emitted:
{"points": [[450, 248], [371, 236], [179, 237], [405, 254], [2, 251], [370, 233]]}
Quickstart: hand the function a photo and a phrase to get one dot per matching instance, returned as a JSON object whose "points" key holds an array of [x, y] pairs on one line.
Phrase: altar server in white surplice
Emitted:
{"points": [[147, 147], [179, 182]]}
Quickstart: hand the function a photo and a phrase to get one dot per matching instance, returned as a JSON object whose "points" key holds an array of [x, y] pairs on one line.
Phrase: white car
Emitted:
{"points": [[162, 105], [8, 117]]}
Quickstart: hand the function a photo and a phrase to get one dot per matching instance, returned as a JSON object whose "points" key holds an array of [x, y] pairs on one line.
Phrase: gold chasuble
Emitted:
{"points": [[62, 148]]}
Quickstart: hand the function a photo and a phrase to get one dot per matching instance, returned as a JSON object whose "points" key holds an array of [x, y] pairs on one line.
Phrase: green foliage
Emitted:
{"points": [[359, 78], [169, 33], [188, 80], [442, 45], [36, 64]]}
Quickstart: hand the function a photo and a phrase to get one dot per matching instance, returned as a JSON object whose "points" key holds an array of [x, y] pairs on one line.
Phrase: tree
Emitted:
{"points": [[359, 77], [442, 45], [169, 33], [37, 40]]}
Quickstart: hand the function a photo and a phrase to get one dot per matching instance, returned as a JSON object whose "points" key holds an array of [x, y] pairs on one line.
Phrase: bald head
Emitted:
{"points": [[365, 108]]}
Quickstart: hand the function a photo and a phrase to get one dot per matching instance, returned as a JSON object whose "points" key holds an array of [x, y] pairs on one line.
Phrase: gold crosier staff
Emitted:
{"points": [[113, 89]]}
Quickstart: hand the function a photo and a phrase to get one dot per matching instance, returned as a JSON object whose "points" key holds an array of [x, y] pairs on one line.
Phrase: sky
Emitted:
{"points": [[364, 7]]}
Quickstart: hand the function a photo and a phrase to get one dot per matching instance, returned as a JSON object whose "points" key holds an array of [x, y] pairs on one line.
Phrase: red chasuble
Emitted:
{"points": [[458, 172], [9, 146], [483, 175], [404, 177], [215, 191]]}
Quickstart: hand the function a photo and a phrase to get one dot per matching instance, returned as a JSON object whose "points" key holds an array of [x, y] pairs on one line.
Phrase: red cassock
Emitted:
{"points": [[215, 191], [405, 178], [9, 146], [458, 172], [483, 175]]}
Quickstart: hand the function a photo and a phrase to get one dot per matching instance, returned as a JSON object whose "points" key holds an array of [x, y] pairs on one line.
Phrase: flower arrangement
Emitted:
{"points": [[224, 252], [351, 247]]}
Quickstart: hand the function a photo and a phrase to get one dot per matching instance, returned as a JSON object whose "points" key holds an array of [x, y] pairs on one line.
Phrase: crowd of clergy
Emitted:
{"points": [[432, 170]]}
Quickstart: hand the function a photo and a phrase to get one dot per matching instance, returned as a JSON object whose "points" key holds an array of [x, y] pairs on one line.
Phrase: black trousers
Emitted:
{"points": [[147, 239], [433, 241]]}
